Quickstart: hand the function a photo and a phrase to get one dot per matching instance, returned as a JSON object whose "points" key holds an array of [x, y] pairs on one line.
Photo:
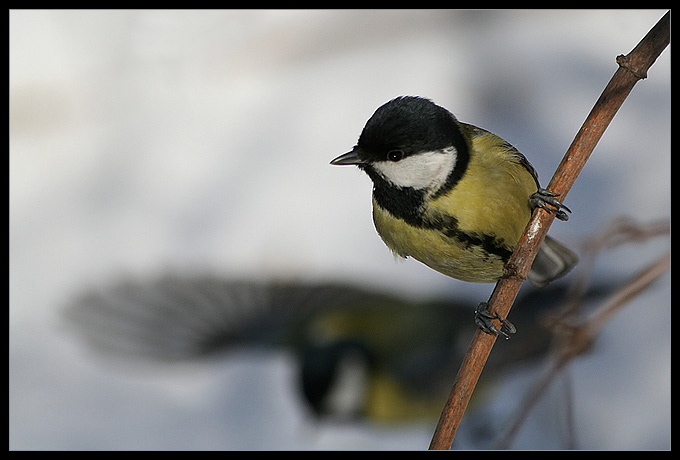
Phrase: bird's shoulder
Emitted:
{"points": [[491, 147]]}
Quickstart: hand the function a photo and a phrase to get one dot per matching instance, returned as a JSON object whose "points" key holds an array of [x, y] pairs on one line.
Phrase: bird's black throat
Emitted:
{"points": [[408, 204]]}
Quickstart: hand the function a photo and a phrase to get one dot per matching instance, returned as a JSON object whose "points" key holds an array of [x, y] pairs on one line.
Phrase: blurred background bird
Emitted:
{"points": [[362, 354]]}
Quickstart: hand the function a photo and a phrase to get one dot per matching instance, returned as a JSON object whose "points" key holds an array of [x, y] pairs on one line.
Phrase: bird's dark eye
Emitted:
{"points": [[395, 155]]}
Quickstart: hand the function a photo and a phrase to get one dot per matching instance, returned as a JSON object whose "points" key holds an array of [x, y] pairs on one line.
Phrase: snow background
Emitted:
{"points": [[143, 142]]}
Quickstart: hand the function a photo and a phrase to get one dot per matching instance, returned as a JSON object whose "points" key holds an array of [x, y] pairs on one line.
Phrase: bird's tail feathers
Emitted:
{"points": [[553, 261]]}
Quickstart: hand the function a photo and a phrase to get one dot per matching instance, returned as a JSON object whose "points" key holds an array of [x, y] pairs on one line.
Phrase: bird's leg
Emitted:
{"points": [[483, 319], [545, 199]]}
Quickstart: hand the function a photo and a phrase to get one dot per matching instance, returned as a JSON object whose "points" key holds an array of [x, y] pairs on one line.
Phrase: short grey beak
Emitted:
{"points": [[349, 158]]}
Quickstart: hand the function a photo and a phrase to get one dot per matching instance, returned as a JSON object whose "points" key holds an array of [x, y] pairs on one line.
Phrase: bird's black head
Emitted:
{"points": [[411, 148], [410, 125]]}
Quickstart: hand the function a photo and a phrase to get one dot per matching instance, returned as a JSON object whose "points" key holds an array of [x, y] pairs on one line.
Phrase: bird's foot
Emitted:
{"points": [[483, 319], [545, 199]]}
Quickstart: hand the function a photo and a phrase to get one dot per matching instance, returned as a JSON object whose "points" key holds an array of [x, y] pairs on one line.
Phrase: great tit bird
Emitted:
{"points": [[363, 354], [451, 195]]}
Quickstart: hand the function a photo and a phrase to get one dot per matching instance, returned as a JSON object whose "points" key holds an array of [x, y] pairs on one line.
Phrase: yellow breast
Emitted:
{"points": [[488, 208]]}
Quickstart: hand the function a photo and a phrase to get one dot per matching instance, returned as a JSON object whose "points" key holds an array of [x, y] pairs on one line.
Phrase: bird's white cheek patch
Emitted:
{"points": [[426, 170]]}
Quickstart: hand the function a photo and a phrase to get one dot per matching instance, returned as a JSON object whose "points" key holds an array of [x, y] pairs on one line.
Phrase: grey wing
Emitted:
{"points": [[179, 317]]}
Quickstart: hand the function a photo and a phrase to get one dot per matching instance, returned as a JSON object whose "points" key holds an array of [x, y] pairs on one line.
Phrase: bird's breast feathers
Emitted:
{"points": [[470, 231]]}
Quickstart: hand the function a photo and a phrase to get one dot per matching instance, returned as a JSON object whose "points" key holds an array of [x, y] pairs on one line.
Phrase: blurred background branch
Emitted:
{"points": [[575, 331]]}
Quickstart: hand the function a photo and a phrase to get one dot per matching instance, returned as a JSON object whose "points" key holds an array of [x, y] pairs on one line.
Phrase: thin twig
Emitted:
{"points": [[620, 230], [573, 336], [579, 339], [632, 68]]}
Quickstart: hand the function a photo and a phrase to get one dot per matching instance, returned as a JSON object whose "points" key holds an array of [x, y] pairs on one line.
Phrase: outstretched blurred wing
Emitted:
{"points": [[178, 317]]}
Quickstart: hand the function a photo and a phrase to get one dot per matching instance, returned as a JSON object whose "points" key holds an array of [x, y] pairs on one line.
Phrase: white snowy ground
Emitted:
{"points": [[143, 142]]}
